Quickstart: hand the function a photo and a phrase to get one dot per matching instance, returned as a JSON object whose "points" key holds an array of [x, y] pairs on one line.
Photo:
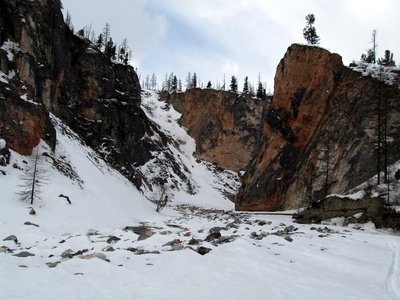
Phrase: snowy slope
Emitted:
{"points": [[203, 174], [258, 256]]}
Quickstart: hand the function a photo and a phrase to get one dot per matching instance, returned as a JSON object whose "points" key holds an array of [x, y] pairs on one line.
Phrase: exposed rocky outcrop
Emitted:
{"points": [[23, 123], [320, 134], [45, 68], [226, 126], [352, 211]]}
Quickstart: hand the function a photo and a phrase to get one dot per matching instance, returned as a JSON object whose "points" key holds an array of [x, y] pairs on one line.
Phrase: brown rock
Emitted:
{"points": [[226, 126], [320, 109]]}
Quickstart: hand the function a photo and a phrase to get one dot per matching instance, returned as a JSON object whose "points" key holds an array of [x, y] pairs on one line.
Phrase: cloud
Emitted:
{"points": [[128, 19], [241, 37]]}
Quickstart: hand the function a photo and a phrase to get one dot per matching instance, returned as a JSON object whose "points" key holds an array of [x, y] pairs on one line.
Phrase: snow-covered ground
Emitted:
{"points": [[110, 243]]}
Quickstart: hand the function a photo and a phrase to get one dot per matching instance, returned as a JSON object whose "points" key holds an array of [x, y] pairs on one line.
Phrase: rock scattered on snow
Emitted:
{"points": [[177, 247], [11, 238], [213, 236], [113, 239], [99, 255], [32, 224], [194, 241], [203, 250], [24, 254]]}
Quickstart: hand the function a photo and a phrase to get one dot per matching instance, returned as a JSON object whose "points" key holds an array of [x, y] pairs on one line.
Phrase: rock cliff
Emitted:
{"points": [[226, 126], [320, 133], [48, 71]]}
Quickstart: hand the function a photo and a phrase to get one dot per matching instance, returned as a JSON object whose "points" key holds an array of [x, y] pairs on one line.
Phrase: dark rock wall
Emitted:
{"points": [[65, 75]]}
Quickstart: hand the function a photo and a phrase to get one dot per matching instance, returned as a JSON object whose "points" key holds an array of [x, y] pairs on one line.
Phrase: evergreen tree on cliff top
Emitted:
{"points": [[309, 32]]}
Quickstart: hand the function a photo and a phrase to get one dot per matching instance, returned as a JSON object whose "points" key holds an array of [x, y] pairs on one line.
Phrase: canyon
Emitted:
{"points": [[317, 136]]}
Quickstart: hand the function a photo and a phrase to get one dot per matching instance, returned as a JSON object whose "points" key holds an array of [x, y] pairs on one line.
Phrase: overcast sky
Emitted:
{"points": [[236, 37]]}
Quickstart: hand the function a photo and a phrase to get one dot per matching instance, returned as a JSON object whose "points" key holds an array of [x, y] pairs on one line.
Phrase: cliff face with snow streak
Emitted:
{"points": [[226, 126], [46, 69]]}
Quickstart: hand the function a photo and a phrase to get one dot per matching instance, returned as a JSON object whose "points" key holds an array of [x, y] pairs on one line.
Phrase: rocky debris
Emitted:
{"points": [[177, 247], [326, 230], [98, 255], [213, 236], [144, 232], [80, 252], [145, 235], [353, 210], [32, 224], [262, 223], [256, 236], [288, 238], [203, 250], [113, 239], [194, 242], [4, 249], [67, 253], [165, 232], [224, 239], [11, 238], [24, 254], [228, 223], [54, 264], [287, 232], [141, 251], [32, 211], [216, 229]]}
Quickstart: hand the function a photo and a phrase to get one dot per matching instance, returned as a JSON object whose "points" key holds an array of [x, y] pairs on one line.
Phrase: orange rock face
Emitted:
{"points": [[319, 135], [226, 127]]}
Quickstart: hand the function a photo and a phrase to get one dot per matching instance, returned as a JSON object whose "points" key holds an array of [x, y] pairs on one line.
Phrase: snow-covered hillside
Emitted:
{"points": [[110, 243]]}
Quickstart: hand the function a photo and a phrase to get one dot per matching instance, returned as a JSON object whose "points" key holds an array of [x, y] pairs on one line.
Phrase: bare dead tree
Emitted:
{"points": [[33, 179]]}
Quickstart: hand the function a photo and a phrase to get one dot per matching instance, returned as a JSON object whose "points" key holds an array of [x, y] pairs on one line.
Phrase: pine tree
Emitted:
{"points": [[194, 80], [110, 49], [233, 85], [246, 85], [174, 84], [309, 32], [100, 42], [369, 57], [260, 91], [209, 85], [388, 60]]}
